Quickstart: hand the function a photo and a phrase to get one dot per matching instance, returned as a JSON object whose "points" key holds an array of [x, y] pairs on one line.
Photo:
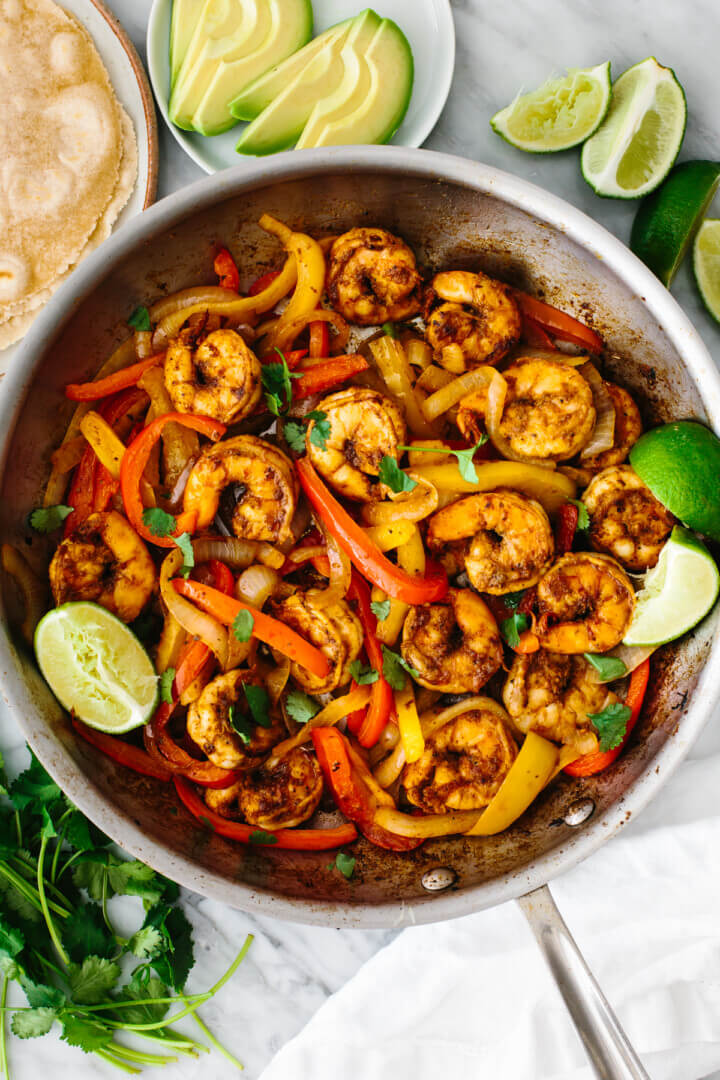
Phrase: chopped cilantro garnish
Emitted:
{"points": [[394, 668], [259, 702], [184, 542], [301, 707], [362, 674], [607, 667], [513, 627], [611, 725], [166, 682], [262, 837], [392, 475], [158, 522], [380, 609], [140, 319], [243, 625], [46, 519], [345, 864], [465, 462]]}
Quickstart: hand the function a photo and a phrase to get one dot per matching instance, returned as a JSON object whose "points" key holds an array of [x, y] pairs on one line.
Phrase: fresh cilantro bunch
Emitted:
{"points": [[58, 943]]}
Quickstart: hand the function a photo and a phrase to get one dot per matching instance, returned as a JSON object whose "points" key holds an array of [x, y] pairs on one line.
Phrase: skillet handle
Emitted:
{"points": [[607, 1045]]}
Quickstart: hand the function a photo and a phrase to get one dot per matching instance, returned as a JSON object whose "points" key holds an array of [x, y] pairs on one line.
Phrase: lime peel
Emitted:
{"points": [[677, 593], [706, 264]]}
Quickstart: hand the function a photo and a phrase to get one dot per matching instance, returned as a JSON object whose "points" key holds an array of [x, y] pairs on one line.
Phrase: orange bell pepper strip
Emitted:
{"points": [[132, 757], [226, 269], [81, 493], [558, 324], [319, 339], [382, 703], [271, 631], [289, 839], [93, 391], [324, 376], [350, 793], [589, 764], [361, 550], [136, 458]]}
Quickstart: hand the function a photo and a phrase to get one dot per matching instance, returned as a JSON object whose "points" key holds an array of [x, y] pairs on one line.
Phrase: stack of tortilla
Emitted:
{"points": [[68, 156]]}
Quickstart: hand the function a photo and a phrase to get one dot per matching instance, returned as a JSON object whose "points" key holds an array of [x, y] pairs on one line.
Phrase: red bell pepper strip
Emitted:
{"points": [[589, 764], [105, 487], [361, 550], [292, 358], [323, 377], [136, 458], [319, 339], [132, 757], [271, 631], [535, 336], [93, 391], [222, 574], [382, 703], [558, 324], [81, 493], [565, 528], [289, 839], [261, 283], [350, 793], [355, 720], [226, 269]]}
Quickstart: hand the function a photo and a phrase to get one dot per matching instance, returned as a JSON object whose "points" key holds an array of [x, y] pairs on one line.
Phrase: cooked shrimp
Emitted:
{"points": [[334, 629], [549, 411], [471, 415], [372, 277], [479, 316], [626, 520], [585, 603], [273, 799], [463, 764], [364, 427], [220, 377], [628, 429], [552, 694], [264, 488], [104, 560], [455, 647], [509, 542], [209, 724]]}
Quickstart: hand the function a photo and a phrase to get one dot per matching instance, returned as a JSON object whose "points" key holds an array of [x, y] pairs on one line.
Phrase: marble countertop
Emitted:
{"points": [[501, 47]]}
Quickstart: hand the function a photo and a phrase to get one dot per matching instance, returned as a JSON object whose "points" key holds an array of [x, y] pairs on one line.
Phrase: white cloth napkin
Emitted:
{"points": [[473, 998]]}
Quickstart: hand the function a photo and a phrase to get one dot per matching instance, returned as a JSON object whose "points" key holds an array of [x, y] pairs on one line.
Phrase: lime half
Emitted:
{"points": [[706, 264], [634, 148], [680, 463], [677, 593], [96, 667], [666, 220], [559, 114]]}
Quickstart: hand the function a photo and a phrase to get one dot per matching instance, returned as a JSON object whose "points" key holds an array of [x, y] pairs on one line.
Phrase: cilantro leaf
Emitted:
{"points": [[301, 707], [512, 628], [363, 674], [140, 319], [91, 982], [11, 940], [40, 996], [607, 667], [240, 723], [88, 1035], [166, 683], [243, 625], [46, 519], [48, 828], [173, 964], [513, 599], [143, 987], [345, 864], [262, 837], [390, 330], [393, 477], [611, 725], [34, 788], [158, 522], [84, 933], [464, 458], [259, 702], [184, 542], [80, 833], [294, 433], [380, 609], [321, 428], [145, 942], [394, 668], [32, 1022], [277, 383], [89, 873], [134, 878], [583, 522]]}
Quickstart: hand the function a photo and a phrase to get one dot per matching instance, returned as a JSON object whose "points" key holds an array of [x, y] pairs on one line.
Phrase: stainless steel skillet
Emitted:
{"points": [[453, 213]]}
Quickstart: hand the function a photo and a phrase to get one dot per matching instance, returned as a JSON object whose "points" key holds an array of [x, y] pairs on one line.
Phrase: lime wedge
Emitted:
{"points": [[680, 463], [634, 148], [706, 264], [677, 593], [667, 219], [559, 114], [96, 667]]}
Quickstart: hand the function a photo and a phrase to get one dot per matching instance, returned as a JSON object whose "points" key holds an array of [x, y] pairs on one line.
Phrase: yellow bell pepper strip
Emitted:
{"points": [[391, 536], [411, 558], [393, 365], [310, 263], [409, 723], [361, 551], [531, 770], [425, 826], [551, 488]]}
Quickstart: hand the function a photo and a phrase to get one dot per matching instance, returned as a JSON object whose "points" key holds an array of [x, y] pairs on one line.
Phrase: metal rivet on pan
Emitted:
{"points": [[442, 877], [578, 812]]}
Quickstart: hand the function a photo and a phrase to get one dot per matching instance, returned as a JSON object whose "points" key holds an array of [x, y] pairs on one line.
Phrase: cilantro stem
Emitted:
{"points": [[139, 1056], [27, 864], [193, 998], [29, 892], [178, 1042], [112, 1060], [234, 966], [48, 963], [216, 1042], [56, 855], [44, 904], [167, 1021], [18, 828], [109, 925], [3, 1045], [69, 862]]}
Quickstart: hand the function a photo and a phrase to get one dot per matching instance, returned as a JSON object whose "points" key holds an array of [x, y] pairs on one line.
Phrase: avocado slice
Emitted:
{"points": [[370, 105], [233, 43], [184, 18], [264, 90], [282, 123]]}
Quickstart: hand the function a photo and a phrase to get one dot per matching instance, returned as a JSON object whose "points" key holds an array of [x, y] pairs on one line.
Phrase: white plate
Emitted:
{"points": [[129, 81], [428, 25]]}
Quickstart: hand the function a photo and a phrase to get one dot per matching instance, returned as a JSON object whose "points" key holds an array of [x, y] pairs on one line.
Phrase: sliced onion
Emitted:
{"points": [[196, 622], [419, 353], [286, 334], [389, 769], [433, 378], [434, 719], [340, 571], [143, 344], [456, 390], [392, 363], [526, 352], [497, 392], [427, 825], [32, 588], [305, 554], [581, 477], [603, 436], [410, 505], [632, 657], [236, 553], [335, 711], [256, 585], [270, 556]]}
